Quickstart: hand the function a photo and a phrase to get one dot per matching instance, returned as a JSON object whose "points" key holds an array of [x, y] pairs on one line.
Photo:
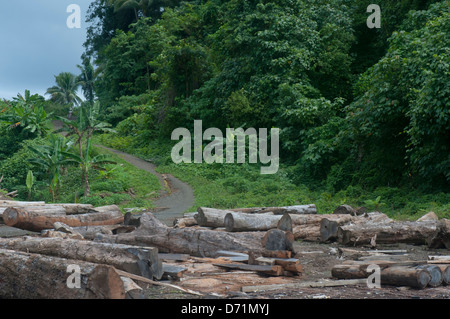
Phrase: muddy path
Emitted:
{"points": [[175, 196]]}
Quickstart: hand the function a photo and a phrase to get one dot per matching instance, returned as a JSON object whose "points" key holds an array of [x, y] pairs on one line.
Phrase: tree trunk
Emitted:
{"points": [[441, 238], [277, 239], [87, 188], [390, 273], [297, 209], [142, 261], [21, 218], [405, 276], [387, 233], [238, 222], [34, 276], [211, 217], [12, 203], [195, 242], [57, 209]]}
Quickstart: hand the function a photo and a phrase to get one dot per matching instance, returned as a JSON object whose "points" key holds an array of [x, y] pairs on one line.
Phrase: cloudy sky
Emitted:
{"points": [[36, 44]]}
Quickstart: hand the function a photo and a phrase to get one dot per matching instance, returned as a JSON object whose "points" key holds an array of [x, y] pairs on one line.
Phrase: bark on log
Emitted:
{"points": [[436, 277], [296, 209], [41, 207], [445, 269], [21, 218], [195, 242], [390, 273], [238, 222], [307, 227], [89, 232], [405, 276], [277, 239], [12, 203], [35, 276], [184, 222], [387, 233], [211, 217], [274, 270], [142, 261], [441, 238]]}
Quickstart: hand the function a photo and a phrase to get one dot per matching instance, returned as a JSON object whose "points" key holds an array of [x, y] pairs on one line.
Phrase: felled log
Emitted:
{"points": [[438, 259], [89, 232], [184, 222], [195, 242], [211, 217], [238, 222], [21, 218], [387, 233], [329, 226], [445, 269], [132, 290], [308, 226], [272, 270], [42, 207], [142, 261], [35, 276], [277, 239], [296, 209], [390, 273], [405, 276], [13, 203], [289, 264], [440, 238], [436, 277]]}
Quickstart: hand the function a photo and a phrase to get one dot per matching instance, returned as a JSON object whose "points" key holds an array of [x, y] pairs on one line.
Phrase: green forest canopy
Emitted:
{"points": [[355, 105]]}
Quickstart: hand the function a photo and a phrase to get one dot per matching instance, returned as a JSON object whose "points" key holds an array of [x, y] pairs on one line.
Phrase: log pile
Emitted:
{"points": [[41, 266], [417, 274]]}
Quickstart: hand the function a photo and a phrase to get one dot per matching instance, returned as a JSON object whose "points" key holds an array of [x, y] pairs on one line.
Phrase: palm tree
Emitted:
{"points": [[65, 90], [85, 125]]}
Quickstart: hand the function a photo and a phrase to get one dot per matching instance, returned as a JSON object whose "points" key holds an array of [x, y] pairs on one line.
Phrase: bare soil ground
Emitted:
{"points": [[317, 260]]}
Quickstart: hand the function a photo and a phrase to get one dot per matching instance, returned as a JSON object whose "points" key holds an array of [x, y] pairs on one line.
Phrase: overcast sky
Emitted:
{"points": [[36, 44]]}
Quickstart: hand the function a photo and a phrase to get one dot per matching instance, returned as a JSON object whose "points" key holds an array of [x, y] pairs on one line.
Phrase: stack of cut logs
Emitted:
{"points": [[394, 268], [47, 266], [347, 226]]}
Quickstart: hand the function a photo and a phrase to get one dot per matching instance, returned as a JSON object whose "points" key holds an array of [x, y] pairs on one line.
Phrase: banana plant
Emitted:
{"points": [[88, 162], [52, 158], [26, 111]]}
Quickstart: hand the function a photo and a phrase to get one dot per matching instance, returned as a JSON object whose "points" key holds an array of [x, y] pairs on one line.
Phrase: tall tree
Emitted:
{"points": [[87, 78], [65, 90]]}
